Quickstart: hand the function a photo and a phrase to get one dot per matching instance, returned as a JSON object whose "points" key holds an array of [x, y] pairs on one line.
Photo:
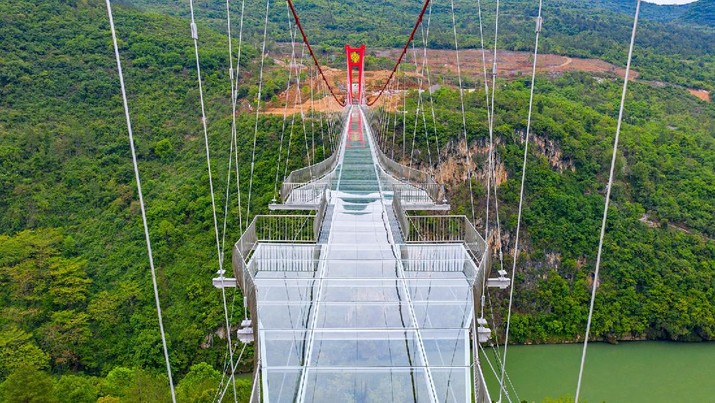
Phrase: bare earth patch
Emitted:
{"points": [[511, 65], [702, 94]]}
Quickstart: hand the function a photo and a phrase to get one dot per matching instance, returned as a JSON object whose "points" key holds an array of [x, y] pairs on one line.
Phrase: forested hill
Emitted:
{"points": [[671, 50], [75, 289], [701, 12], [77, 316]]}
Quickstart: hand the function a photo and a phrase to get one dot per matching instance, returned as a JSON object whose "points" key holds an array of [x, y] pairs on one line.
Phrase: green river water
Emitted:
{"points": [[630, 372]]}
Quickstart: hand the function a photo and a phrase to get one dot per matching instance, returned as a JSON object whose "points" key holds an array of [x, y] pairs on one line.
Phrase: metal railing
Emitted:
{"points": [[480, 390], [319, 174], [422, 193], [285, 228], [304, 193], [401, 216], [439, 228], [446, 228], [274, 228], [308, 174], [320, 215], [410, 176]]}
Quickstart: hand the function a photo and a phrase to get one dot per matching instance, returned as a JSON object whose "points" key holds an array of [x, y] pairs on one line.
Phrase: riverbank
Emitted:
{"points": [[626, 372]]}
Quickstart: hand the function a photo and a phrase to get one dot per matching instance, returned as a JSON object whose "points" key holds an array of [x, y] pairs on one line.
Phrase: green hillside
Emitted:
{"points": [[77, 315], [659, 255], [671, 51], [75, 289], [701, 12]]}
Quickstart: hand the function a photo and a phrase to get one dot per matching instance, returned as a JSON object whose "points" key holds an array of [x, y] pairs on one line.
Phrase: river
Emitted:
{"points": [[630, 372]]}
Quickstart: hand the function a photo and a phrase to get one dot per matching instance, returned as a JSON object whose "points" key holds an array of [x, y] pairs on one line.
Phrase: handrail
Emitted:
{"points": [[411, 176], [309, 174], [481, 392], [318, 172], [271, 228], [446, 228], [304, 193], [402, 220], [419, 193], [320, 216], [439, 228]]}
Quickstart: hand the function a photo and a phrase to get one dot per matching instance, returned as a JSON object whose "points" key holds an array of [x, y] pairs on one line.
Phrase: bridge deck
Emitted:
{"points": [[360, 317]]}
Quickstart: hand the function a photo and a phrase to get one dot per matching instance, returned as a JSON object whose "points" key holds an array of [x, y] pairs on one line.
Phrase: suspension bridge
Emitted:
{"points": [[356, 298]]}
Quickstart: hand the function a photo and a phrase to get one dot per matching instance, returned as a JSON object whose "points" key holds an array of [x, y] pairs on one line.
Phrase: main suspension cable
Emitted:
{"points": [[310, 50], [404, 50], [125, 102], [608, 199]]}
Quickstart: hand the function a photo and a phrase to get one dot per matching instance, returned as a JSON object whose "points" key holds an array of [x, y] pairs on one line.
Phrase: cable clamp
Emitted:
{"points": [[194, 32], [539, 24]]}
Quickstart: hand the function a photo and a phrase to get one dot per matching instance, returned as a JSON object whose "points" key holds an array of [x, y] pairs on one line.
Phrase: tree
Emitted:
{"points": [[18, 350], [147, 387], [117, 382], [76, 389], [28, 385], [69, 283], [64, 334], [199, 385]]}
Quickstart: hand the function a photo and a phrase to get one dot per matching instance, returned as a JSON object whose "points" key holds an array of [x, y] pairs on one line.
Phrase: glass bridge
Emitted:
{"points": [[359, 302]]}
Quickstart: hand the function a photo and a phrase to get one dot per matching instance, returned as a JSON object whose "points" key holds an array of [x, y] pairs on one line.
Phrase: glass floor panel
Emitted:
{"points": [[367, 385]]}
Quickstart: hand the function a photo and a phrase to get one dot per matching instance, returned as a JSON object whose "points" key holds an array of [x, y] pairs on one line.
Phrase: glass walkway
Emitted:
{"points": [[357, 315]]}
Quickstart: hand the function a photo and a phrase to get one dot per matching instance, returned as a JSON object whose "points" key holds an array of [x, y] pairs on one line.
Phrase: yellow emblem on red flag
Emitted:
{"points": [[355, 57]]}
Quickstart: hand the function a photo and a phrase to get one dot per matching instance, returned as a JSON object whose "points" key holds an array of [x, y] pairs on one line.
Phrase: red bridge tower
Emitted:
{"points": [[356, 74]]}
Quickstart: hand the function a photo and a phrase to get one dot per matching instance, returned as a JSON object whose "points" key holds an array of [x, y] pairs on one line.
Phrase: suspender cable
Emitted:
{"points": [[491, 137], [429, 92], [225, 389], [312, 111], [320, 117], [490, 114], [233, 77], [195, 36], [464, 117], [302, 115], [394, 122], [258, 110], [521, 199], [417, 110], [608, 199], [424, 68], [125, 102], [292, 34], [234, 134], [404, 114], [404, 50], [489, 156], [310, 50], [292, 122]]}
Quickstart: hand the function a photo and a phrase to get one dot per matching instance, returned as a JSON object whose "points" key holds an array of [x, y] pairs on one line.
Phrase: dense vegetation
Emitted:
{"points": [[657, 282], [673, 51], [77, 317], [75, 289]]}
